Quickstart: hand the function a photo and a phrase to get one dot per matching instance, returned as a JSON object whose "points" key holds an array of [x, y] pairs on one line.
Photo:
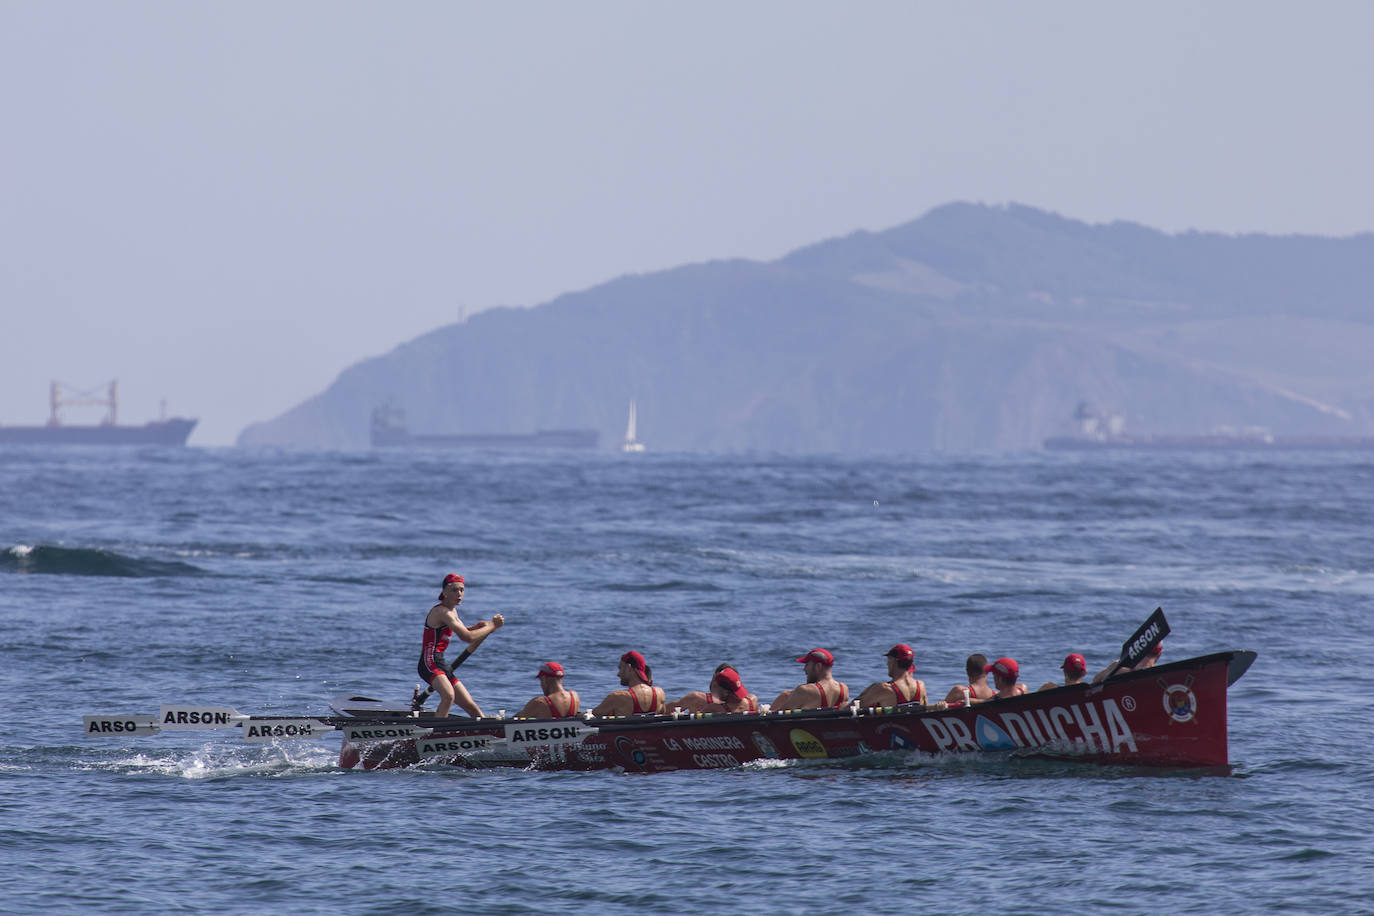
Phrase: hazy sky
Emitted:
{"points": [[226, 204]]}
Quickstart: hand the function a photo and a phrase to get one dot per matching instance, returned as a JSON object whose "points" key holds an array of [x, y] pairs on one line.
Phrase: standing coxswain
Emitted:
{"points": [[441, 625]]}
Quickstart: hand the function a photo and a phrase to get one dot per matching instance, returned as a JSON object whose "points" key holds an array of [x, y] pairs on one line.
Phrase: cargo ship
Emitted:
{"points": [[389, 429], [172, 431], [1099, 432]]}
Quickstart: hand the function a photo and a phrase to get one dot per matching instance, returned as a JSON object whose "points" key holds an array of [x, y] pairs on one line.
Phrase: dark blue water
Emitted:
{"points": [[272, 581]]}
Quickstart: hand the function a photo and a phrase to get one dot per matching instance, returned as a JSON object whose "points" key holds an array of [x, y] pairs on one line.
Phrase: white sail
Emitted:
{"points": [[631, 444]]}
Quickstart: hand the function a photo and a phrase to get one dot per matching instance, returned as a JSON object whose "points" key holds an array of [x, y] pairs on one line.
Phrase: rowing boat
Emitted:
{"points": [[1170, 715]]}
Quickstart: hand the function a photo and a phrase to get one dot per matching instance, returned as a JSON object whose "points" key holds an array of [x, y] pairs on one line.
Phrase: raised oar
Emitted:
{"points": [[418, 701], [1150, 634]]}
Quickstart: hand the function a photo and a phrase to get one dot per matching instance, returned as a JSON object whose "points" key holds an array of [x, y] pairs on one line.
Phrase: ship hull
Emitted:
{"points": [[172, 432], [1232, 443]]}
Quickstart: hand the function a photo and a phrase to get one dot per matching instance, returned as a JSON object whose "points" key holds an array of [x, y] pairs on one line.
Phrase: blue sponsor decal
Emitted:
{"points": [[991, 737], [901, 742], [627, 749]]}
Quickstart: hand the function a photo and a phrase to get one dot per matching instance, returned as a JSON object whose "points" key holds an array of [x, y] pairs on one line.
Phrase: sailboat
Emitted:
{"points": [[631, 444]]}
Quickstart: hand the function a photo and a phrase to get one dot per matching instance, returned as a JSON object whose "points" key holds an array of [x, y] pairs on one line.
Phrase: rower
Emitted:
{"points": [[556, 703], [1075, 668], [441, 624], [902, 687], [975, 667], [639, 695], [1004, 673], [821, 690], [726, 693], [1113, 669]]}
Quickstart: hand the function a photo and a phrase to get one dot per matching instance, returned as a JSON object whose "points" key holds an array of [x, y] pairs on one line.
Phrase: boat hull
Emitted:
{"points": [[1169, 716]]}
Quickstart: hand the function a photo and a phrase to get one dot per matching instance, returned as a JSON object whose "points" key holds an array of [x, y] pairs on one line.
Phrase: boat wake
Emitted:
{"points": [[222, 762]]}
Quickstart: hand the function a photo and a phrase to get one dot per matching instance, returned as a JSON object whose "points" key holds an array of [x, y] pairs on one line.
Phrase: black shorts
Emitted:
{"points": [[427, 674]]}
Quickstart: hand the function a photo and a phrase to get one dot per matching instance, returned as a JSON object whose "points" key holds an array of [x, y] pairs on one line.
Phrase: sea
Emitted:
{"points": [[271, 581]]}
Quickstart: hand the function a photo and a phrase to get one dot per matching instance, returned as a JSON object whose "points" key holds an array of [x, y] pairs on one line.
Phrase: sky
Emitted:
{"points": [[224, 205]]}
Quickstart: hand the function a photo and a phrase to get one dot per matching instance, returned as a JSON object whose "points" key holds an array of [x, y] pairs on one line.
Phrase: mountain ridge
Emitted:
{"points": [[972, 327]]}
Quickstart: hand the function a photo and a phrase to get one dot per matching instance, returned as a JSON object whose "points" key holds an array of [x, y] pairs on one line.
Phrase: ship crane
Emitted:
{"points": [[57, 399]]}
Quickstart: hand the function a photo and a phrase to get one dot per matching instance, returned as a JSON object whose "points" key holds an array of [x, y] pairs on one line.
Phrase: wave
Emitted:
{"points": [[43, 559], [670, 585]]}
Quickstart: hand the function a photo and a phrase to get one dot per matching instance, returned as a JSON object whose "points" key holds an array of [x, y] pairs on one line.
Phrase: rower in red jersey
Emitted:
{"points": [[976, 687], [903, 686], [1004, 673], [441, 625], [639, 695], [1075, 668], [821, 690], [726, 693], [556, 703]]}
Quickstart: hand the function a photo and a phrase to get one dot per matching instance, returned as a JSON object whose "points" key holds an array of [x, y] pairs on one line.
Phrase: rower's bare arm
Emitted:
{"points": [[478, 631], [804, 698], [878, 694], [692, 702], [1113, 668], [534, 709], [610, 706]]}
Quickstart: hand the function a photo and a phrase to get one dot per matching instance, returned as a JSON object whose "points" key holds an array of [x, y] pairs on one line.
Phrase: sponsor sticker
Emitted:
{"points": [[807, 744], [899, 740], [455, 744], [991, 736], [110, 726], [260, 731], [367, 734], [519, 734], [626, 749], [765, 746], [186, 718]]}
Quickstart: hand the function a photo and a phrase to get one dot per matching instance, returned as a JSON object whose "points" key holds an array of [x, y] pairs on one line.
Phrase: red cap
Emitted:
{"points": [[818, 655], [449, 580], [1075, 662], [550, 669], [636, 661], [1005, 667], [728, 679], [903, 653]]}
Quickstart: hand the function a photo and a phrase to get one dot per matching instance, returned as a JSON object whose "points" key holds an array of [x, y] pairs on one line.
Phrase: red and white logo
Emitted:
{"points": [[1179, 701]]}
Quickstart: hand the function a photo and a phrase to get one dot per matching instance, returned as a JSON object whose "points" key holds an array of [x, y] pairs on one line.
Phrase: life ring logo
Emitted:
{"points": [[1180, 703], [807, 744]]}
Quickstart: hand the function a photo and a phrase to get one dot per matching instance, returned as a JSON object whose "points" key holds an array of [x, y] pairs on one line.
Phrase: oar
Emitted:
{"points": [[419, 699], [1150, 634]]}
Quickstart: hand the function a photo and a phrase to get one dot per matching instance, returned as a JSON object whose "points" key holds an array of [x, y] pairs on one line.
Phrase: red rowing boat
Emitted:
{"points": [[1171, 715]]}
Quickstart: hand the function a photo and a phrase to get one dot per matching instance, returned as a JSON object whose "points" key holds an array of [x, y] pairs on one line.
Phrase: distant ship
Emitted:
{"points": [[389, 429], [631, 444], [167, 431], [1098, 431]]}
